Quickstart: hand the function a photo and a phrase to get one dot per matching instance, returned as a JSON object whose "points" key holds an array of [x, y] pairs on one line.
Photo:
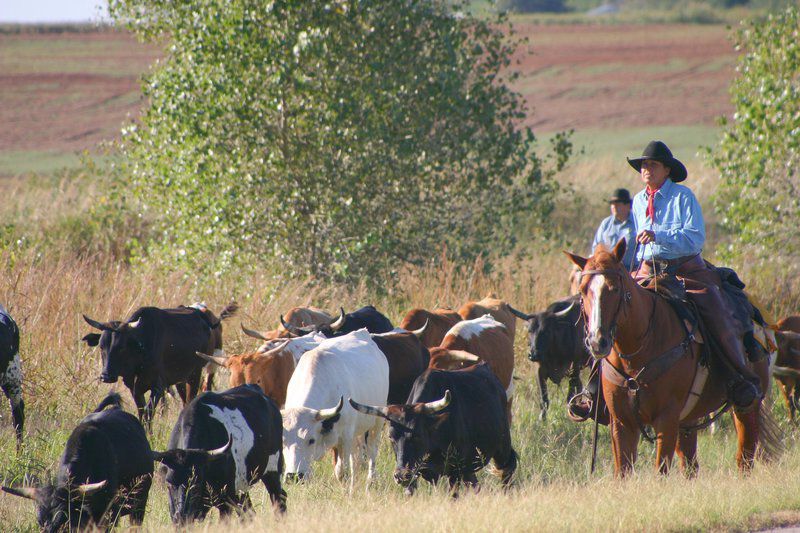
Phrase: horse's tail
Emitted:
{"points": [[771, 436]]}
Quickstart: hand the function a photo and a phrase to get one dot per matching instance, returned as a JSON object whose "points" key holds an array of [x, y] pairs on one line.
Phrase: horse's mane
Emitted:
{"points": [[603, 259]]}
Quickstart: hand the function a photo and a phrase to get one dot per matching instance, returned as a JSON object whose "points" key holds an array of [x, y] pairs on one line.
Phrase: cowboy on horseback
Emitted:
{"points": [[670, 237], [670, 233]]}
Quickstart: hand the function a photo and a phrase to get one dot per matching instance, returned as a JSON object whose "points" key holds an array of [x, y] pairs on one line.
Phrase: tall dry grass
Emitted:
{"points": [[47, 285]]}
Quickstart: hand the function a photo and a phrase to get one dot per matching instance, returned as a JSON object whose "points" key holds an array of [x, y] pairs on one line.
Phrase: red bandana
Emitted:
{"points": [[651, 209]]}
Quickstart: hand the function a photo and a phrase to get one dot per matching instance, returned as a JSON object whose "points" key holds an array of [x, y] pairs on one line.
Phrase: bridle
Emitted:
{"points": [[626, 298]]}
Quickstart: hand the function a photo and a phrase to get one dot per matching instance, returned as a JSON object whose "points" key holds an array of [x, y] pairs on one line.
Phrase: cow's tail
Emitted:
{"points": [[112, 400], [229, 311]]}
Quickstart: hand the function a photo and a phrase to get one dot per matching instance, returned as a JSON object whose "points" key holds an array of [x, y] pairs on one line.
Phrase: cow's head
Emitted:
{"points": [[62, 507], [419, 436], [122, 347], [325, 330], [551, 338], [269, 370], [444, 359], [307, 435], [189, 496]]}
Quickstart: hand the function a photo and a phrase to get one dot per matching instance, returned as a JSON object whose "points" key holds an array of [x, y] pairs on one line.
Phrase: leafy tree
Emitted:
{"points": [[338, 139], [759, 154]]}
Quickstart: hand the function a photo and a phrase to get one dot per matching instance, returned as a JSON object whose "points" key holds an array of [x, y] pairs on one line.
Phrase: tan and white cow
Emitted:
{"points": [[490, 305], [297, 317], [439, 321], [479, 339]]}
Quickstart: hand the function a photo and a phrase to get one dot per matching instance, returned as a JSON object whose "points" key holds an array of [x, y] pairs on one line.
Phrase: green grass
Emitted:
{"points": [[17, 162]]}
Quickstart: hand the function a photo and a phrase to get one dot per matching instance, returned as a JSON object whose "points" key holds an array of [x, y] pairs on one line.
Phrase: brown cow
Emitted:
{"points": [[297, 317], [484, 339], [271, 368], [407, 358], [790, 323], [439, 323], [216, 338], [787, 367], [491, 306]]}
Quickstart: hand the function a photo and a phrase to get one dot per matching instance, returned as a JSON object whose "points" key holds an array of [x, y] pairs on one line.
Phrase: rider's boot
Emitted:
{"points": [[743, 385], [580, 407]]}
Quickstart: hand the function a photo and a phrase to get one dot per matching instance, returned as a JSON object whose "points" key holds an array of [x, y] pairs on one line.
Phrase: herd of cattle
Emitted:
{"points": [[442, 379]]}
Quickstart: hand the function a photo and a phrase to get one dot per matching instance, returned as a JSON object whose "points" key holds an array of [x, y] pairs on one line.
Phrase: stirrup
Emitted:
{"points": [[579, 407]]}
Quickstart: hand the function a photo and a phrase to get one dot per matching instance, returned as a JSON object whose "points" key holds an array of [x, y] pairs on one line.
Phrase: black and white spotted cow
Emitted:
{"points": [[221, 444], [11, 370]]}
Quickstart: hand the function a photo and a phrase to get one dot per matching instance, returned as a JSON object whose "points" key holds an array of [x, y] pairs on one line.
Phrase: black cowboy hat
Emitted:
{"points": [[621, 195], [658, 151]]}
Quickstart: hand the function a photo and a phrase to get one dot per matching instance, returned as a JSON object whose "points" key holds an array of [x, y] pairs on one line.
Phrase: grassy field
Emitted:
{"points": [[55, 105]]}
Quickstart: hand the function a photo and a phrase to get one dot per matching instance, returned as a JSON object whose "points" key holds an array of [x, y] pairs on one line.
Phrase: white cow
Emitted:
{"points": [[315, 418]]}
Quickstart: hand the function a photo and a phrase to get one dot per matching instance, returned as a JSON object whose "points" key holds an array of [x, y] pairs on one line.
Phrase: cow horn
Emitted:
{"points": [[276, 349], [431, 408], [255, 334], [565, 312], [136, 324], [217, 360], [221, 450], [519, 314], [87, 489], [325, 414], [785, 372], [25, 492], [419, 332], [97, 325], [339, 322], [369, 409]]}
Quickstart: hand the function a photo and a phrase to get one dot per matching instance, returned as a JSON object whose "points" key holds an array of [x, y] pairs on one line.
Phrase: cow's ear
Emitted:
{"points": [[577, 260], [92, 339], [327, 424]]}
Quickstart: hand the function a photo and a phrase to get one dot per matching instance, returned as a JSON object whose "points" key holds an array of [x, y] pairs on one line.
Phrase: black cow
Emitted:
{"points": [[366, 317], [105, 472], [11, 371], [452, 424], [220, 445], [155, 349], [556, 343]]}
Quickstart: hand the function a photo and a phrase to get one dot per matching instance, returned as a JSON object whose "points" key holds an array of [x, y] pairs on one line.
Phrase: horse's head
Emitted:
{"points": [[603, 291]]}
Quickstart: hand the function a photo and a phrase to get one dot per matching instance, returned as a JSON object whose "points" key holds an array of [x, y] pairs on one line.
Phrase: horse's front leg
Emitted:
{"points": [[666, 428], [687, 451], [747, 430], [624, 444]]}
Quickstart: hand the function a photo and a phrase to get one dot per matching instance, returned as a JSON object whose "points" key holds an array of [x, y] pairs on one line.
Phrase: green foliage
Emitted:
{"points": [[759, 154], [338, 139]]}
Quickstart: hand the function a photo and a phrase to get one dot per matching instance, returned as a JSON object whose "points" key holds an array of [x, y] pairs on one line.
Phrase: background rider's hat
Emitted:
{"points": [[658, 150], [620, 195]]}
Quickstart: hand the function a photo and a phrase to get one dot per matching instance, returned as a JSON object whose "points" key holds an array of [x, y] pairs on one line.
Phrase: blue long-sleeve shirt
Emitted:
{"points": [[679, 227], [612, 230]]}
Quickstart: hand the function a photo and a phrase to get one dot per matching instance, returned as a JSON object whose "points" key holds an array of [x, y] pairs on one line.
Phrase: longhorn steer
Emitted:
{"points": [[220, 445], [154, 349], [11, 371], [499, 310], [105, 472], [484, 339], [296, 317], [269, 367], [439, 321], [315, 419], [452, 424], [555, 337], [367, 318]]}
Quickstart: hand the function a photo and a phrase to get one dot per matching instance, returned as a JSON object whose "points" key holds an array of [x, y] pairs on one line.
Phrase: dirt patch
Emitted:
{"points": [[64, 93], [625, 76]]}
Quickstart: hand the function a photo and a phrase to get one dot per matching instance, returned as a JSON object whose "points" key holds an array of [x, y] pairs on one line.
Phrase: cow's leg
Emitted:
{"points": [[272, 481], [11, 382], [687, 451], [666, 428], [373, 439], [156, 394], [471, 480], [192, 386], [788, 392], [542, 376], [137, 391], [795, 399], [139, 500], [339, 459], [506, 464], [210, 370]]}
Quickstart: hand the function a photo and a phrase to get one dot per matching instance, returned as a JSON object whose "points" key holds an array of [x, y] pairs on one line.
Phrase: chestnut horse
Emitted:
{"points": [[644, 344]]}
